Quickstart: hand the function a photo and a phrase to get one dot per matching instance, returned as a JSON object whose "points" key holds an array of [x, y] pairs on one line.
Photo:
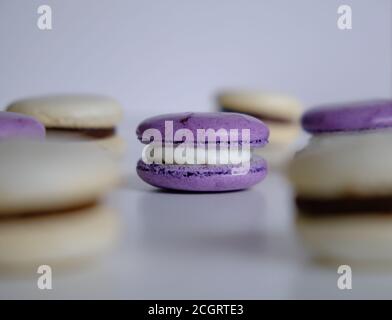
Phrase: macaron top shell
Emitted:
{"points": [[194, 121], [356, 116], [37, 177], [261, 103], [71, 111], [14, 125]]}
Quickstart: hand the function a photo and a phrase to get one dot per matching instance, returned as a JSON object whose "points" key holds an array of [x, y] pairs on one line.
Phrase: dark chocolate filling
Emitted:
{"points": [[91, 133], [261, 116], [348, 205]]}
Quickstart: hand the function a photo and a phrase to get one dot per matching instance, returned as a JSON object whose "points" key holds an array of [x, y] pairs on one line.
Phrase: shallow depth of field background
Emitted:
{"points": [[161, 56]]}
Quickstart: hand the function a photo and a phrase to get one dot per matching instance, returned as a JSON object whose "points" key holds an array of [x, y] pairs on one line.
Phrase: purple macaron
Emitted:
{"points": [[15, 125], [204, 177], [357, 116]]}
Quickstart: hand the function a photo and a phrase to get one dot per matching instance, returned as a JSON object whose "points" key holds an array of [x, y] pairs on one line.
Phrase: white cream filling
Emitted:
{"points": [[210, 155]]}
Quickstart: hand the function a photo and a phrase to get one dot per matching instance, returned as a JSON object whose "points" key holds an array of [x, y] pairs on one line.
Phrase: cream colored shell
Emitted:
{"points": [[340, 166], [57, 238], [270, 104], [358, 238], [71, 111], [282, 134], [45, 176], [277, 156], [114, 144]]}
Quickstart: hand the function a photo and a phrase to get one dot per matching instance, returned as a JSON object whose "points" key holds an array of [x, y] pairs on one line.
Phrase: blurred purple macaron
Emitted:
{"points": [[349, 117], [15, 125]]}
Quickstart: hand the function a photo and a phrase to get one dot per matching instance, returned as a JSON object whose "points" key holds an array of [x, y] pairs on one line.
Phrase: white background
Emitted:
{"points": [[160, 56]]}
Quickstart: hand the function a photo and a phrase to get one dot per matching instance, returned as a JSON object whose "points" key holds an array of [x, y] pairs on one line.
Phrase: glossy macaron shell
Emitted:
{"points": [[193, 121], [357, 116], [14, 125]]}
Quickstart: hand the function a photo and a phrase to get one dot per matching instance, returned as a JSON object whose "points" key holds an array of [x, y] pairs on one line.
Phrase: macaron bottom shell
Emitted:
{"points": [[202, 178], [114, 144], [277, 156], [361, 239], [58, 238]]}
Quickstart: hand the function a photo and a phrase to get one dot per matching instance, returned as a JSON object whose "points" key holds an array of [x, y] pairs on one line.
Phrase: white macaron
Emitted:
{"points": [[76, 118]]}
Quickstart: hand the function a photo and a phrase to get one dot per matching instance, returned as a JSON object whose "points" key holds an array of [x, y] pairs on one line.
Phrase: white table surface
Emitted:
{"points": [[237, 245]]}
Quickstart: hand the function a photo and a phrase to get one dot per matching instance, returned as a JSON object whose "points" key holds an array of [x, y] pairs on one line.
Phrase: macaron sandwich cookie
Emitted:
{"points": [[18, 126], [49, 202], [343, 182], [280, 113], [216, 169], [76, 118]]}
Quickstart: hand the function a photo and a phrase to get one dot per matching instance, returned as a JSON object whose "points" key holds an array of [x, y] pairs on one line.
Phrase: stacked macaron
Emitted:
{"points": [[343, 182], [216, 169], [279, 112], [89, 118], [49, 195]]}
